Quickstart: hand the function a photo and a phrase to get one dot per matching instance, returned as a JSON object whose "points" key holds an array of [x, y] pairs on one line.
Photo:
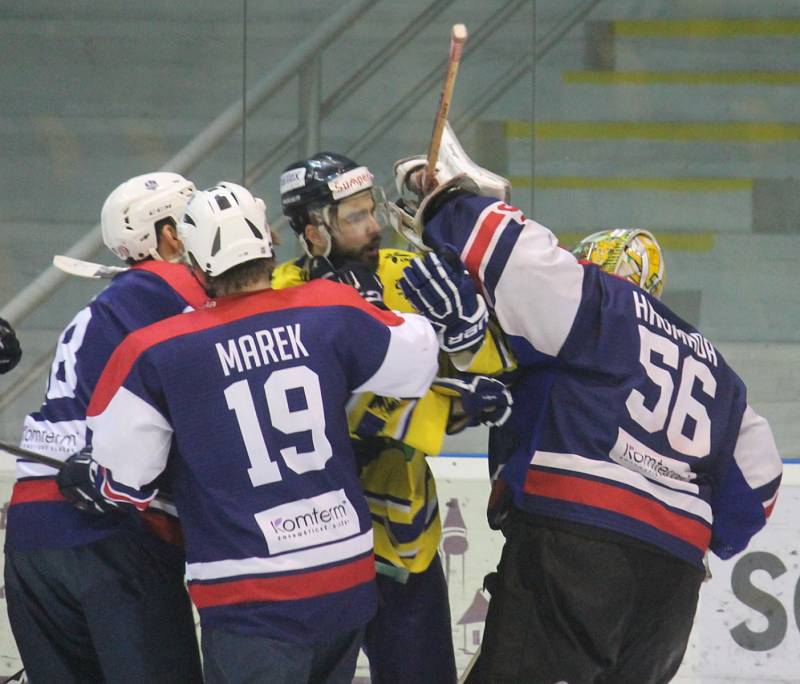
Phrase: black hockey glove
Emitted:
{"points": [[365, 280], [321, 267], [353, 273], [10, 351], [76, 482], [446, 296]]}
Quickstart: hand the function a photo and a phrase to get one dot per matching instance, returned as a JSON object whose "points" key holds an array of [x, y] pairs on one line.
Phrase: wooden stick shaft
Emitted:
{"points": [[458, 36]]}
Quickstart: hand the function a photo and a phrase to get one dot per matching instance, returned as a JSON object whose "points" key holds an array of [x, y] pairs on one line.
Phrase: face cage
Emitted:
{"points": [[405, 224]]}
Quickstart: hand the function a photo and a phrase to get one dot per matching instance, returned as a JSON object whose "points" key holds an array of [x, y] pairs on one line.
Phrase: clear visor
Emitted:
{"points": [[355, 218]]}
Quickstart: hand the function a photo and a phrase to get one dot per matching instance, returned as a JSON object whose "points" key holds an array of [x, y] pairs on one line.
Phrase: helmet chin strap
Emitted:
{"points": [[325, 233], [180, 258], [177, 259], [323, 230]]}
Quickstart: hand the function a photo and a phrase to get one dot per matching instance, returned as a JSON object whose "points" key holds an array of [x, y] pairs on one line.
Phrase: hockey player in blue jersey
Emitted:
{"points": [[338, 216], [636, 449], [92, 598], [245, 404]]}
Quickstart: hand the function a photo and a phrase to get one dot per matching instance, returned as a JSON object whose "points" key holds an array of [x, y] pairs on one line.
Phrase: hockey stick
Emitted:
{"points": [[85, 269], [162, 501], [18, 677], [470, 666], [19, 452], [458, 36]]}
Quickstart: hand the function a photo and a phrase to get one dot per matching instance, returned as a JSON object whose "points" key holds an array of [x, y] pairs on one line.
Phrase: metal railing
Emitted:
{"points": [[304, 62], [201, 146]]}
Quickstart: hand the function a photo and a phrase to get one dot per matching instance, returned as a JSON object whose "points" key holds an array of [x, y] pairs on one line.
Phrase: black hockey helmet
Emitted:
{"points": [[318, 182]]}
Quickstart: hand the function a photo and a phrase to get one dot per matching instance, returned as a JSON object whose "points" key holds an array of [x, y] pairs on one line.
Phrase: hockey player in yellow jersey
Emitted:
{"points": [[337, 214]]}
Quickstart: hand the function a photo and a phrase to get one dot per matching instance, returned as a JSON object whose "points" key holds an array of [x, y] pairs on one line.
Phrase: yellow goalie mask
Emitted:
{"points": [[630, 253]]}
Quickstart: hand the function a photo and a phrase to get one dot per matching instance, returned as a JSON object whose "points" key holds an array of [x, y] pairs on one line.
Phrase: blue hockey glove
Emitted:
{"points": [[447, 298], [76, 482], [482, 400], [10, 351]]}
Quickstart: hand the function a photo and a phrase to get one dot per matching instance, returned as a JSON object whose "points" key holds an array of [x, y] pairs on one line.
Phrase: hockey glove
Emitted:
{"points": [[76, 482], [10, 351], [447, 298], [480, 400], [365, 280], [321, 267], [352, 273]]}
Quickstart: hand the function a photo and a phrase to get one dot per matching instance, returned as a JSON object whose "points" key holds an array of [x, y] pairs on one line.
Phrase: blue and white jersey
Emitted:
{"points": [[627, 418], [39, 517], [245, 402]]}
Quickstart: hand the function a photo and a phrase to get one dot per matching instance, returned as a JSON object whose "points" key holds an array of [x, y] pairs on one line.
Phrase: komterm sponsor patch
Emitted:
{"points": [[350, 183], [58, 439], [631, 453], [309, 522], [292, 179]]}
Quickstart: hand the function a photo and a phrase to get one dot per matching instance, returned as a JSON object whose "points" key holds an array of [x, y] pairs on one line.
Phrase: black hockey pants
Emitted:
{"points": [[584, 606]]}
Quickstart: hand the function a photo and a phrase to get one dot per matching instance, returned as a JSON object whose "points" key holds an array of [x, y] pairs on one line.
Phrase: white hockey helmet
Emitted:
{"points": [[130, 213], [225, 226], [630, 253]]}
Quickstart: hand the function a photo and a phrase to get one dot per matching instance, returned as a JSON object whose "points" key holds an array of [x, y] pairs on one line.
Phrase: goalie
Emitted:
{"points": [[635, 450]]}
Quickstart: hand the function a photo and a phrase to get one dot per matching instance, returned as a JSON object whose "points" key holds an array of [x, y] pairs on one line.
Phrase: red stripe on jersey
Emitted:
{"points": [[768, 509], [39, 489], [179, 278], [113, 495], [610, 498], [318, 293], [480, 244], [285, 588], [164, 526]]}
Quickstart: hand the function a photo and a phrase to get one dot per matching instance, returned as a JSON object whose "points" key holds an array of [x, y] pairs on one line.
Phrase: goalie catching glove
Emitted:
{"points": [[446, 296], [479, 400], [76, 482], [455, 172]]}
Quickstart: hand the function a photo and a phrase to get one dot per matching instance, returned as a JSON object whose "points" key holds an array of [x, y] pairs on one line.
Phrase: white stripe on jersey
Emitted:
{"points": [[374, 500], [538, 294], [31, 469], [286, 562], [403, 420], [611, 471], [132, 463], [411, 360], [755, 452], [539, 290]]}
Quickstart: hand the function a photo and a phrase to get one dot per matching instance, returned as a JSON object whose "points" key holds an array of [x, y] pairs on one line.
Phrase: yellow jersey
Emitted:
{"points": [[398, 483]]}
